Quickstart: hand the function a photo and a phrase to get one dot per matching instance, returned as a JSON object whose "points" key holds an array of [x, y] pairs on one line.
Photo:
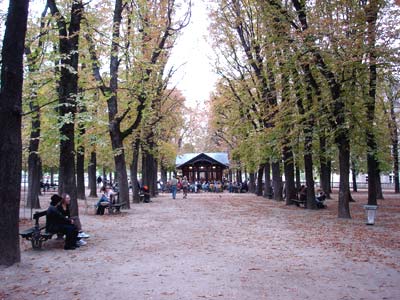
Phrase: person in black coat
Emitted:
{"points": [[56, 222], [146, 194]]}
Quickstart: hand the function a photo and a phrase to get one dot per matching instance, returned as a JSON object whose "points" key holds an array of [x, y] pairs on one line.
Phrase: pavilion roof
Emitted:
{"points": [[220, 157]]}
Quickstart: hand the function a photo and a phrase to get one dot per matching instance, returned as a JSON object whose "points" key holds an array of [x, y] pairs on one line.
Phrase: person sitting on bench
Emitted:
{"points": [[103, 202], [110, 194], [320, 198], [57, 223], [146, 194], [63, 208], [303, 193]]}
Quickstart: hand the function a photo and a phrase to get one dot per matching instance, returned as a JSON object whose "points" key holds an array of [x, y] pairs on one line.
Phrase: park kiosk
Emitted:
{"points": [[203, 166]]}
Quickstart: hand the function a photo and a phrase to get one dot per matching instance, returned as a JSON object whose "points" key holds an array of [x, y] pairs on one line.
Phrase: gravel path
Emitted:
{"points": [[217, 246]]}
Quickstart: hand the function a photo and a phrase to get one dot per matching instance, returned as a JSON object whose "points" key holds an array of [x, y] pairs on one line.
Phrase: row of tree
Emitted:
{"points": [[308, 86], [67, 56], [96, 88]]}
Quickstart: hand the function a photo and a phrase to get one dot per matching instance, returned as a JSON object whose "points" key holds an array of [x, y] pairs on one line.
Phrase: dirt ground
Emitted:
{"points": [[218, 246]]}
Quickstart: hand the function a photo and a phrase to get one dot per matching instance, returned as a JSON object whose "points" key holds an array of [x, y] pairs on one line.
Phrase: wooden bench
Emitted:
{"points": [[115, 208], [144, 197], [299, 202], [37, 234]]}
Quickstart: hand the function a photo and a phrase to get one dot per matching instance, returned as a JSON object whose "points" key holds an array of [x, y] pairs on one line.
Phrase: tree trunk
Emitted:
{"points": [[395, 144], [330, 181], [239, 176], [134, 171], [34, 163], [33, 180], [379, 192], [288, 168], [148, 168], [122, 179], [80, 158], [155, 168], [372, 148], [145, 168], [114, 122], [267, 188], [10, 130], [395, 154], [324, 169], [259, 191], [305, 106], [52, 176], [372, 170], [308, 167], [40, 176], [277, 181], [80, 173], [354, 175], [298, 179], [92, 174], [163, 172], [344, 170], [252, 183]]}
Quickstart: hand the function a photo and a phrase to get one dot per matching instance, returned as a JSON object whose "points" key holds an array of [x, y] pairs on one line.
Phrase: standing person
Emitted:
{"points": [[99, 181], [174, 184], [185, 186], [47, 185], [57, 223]]}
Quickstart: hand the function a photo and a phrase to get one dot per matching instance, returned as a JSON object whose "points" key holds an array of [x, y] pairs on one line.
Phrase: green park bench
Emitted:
{"points": [[37, 234], [299, 203]]}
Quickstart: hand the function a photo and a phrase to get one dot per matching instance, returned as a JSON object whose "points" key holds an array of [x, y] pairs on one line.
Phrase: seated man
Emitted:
{"points": [[303, 193], [104, 201], [320, 198], [57, 223], [146, 194], [244, 188]]}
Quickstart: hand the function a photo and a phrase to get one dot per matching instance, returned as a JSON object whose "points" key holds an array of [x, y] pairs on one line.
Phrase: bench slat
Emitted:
{"points": [[27, 232]]}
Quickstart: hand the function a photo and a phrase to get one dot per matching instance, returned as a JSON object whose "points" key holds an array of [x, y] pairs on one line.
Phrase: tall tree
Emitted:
{"points": [[150, 44], [68, 39], [10, 129], [34, 59], [392, 92], [371, 12], [342, 138]]}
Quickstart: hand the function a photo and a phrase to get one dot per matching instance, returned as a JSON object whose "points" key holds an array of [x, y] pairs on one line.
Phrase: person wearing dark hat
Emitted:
{"points": [[57, 223]]}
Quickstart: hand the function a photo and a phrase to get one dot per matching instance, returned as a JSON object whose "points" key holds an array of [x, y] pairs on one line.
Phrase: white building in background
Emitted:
{"points": [[363, 178]]}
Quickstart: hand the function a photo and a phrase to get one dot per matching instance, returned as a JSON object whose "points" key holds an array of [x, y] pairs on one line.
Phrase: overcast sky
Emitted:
{"points": [[195, 78]]}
